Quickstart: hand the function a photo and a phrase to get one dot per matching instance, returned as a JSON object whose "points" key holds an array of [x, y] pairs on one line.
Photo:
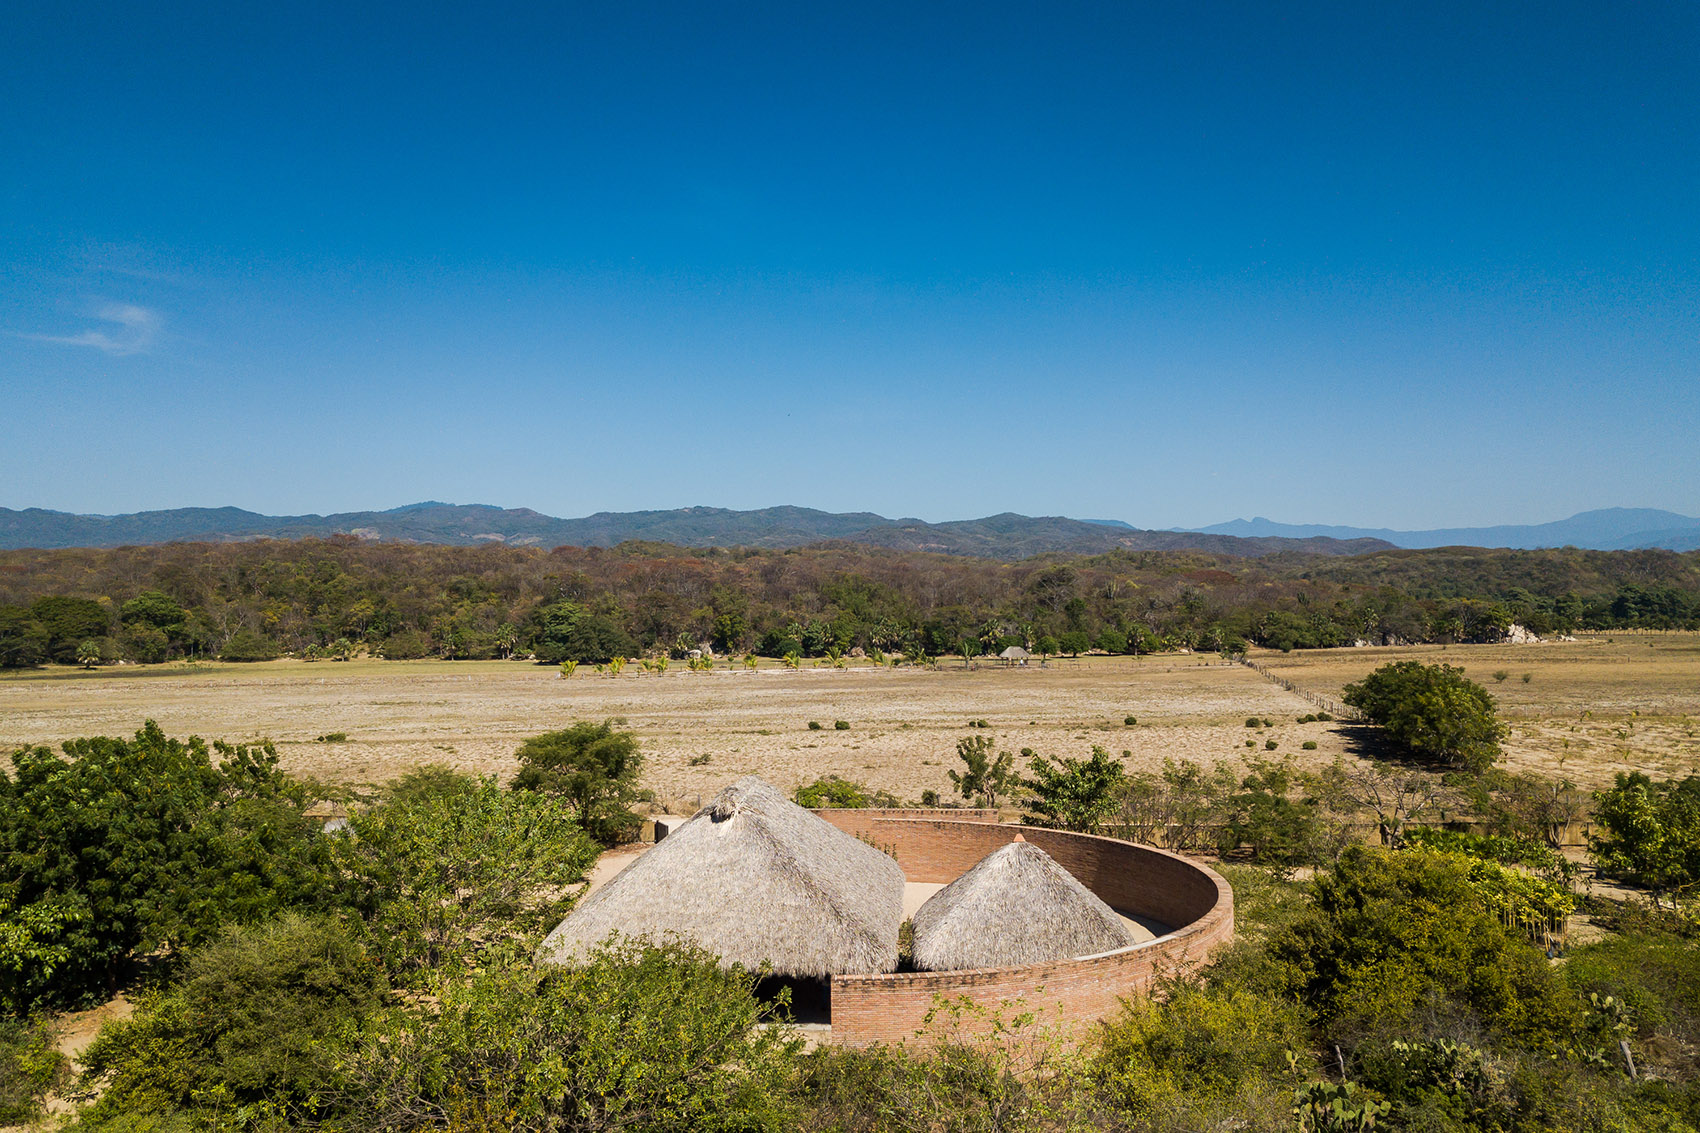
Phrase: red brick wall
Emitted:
{"points": [[1189, 896]]}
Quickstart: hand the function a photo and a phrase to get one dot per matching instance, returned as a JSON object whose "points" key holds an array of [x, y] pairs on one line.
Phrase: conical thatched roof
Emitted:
{"points": [[1016, 906], [754, 878]]}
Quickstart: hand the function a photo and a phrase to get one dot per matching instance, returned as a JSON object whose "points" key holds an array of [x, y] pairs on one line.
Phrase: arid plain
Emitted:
{"points": [[1589, 708]]}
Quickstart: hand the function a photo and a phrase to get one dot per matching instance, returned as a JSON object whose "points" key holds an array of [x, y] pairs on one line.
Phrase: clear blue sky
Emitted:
{"points": [[1413, 265]]}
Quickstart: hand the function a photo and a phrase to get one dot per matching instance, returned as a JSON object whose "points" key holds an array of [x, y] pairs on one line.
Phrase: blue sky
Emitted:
{"points": [[1404, 265]]}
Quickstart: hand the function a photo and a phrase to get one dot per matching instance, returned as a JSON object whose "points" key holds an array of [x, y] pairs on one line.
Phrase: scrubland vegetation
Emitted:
{"points": [[332, 599], [380, 977]]}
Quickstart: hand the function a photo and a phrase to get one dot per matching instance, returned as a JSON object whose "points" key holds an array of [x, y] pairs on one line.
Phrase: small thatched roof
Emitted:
{"points": [[1015, 653], [754, 878], [1016, 906]]}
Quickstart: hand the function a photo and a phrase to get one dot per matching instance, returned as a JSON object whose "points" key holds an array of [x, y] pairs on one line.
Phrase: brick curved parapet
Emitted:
{"points": [[1143, 881]]}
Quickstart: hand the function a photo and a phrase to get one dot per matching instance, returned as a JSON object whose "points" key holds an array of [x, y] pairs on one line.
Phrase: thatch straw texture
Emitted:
{"points": [[756, 879], [1016, 906]]}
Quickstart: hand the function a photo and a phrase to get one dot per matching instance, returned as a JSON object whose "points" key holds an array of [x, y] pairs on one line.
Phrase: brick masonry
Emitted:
{"points": [[1141, 880]]}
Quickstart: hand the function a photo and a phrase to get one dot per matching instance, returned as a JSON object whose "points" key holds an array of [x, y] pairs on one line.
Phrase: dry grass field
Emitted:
{"points": [[1599, 705], [1588, 709]]}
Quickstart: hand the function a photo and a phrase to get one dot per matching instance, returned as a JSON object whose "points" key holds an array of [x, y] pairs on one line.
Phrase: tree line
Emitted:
{"points": [[333, 598]]}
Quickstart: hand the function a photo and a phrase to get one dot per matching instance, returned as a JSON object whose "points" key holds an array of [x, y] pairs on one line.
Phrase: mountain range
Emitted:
{"points": [[1006, 536], [1607, 529]]}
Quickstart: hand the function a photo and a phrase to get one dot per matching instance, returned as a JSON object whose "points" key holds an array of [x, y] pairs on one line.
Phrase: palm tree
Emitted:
{"points": [[88, 654]]}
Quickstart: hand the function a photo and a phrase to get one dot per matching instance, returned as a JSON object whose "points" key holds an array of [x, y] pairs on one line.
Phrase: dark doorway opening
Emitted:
{"points": [[811, 997]]}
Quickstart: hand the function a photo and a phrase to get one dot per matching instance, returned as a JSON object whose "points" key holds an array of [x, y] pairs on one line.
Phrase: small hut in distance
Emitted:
{"points": [[1015, 906], [1014, 655], [755, 879]]}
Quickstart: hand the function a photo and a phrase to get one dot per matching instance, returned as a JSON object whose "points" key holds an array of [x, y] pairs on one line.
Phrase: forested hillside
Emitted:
{"points": [[251, 601]]}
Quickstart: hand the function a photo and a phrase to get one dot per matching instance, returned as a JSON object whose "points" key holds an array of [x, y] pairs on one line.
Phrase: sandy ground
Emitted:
{"points": [[1589, 709], [904, 723]]}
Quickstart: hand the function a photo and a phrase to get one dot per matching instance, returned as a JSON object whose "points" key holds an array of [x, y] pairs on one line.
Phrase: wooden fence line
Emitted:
{"points": [[1341, 711]]}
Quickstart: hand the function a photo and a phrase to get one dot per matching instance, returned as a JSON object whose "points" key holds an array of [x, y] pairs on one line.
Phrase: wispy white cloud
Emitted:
{"points": [[137, 328]]}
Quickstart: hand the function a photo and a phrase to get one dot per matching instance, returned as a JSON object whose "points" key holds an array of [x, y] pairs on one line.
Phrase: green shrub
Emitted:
{"points": [[640, 1037], [1130, 721], [841, 725], [1434, 711], [246, 645], [1657, 977], [1270, 745], [1022, 1082], [128, 846], [331, 738], [1389, 937], [29, 1068], [594, 769], [1194, 1046], [814, 725], [260, 1018], [1308, 745], [830, 791], [1254, 721], [461, 876], [1072, 794]]}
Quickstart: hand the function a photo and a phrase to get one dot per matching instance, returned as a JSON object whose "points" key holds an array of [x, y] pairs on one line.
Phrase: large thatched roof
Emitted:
{"points": [[1016, 906], [754, 878]]}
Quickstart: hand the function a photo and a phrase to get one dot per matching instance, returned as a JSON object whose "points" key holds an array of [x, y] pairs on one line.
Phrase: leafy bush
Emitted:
{"points": [[1019, 1080], [29, 1068], [1278, 830], [1391, 937], [1652, 832], [246, 645], [1193, 1046], [591, 767], [1072, 794], [829, 791], [260, 1018], [1434, 711], [127, 846], [1308, 745], [1130, 721], [814, 725], [456, 870], [640, 1037], [841, 725]]}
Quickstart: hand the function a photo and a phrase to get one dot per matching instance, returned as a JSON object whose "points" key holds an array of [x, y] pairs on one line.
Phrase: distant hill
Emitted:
{"points": [[1607, 529], [1006, 536]]}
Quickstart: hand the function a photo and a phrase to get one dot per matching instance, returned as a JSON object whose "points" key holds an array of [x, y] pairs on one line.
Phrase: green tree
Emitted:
{"points": [[1652, 832], [1072, 794], [88, 654], [69, 622], [246, 645], [983, 778], [22, 640], [594, 768], [454, 870], [126, 846], [1074, 643], [1434, 711]]}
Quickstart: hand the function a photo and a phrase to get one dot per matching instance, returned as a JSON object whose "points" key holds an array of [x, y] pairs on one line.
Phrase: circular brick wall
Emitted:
{"points": [[1188, 896]]}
